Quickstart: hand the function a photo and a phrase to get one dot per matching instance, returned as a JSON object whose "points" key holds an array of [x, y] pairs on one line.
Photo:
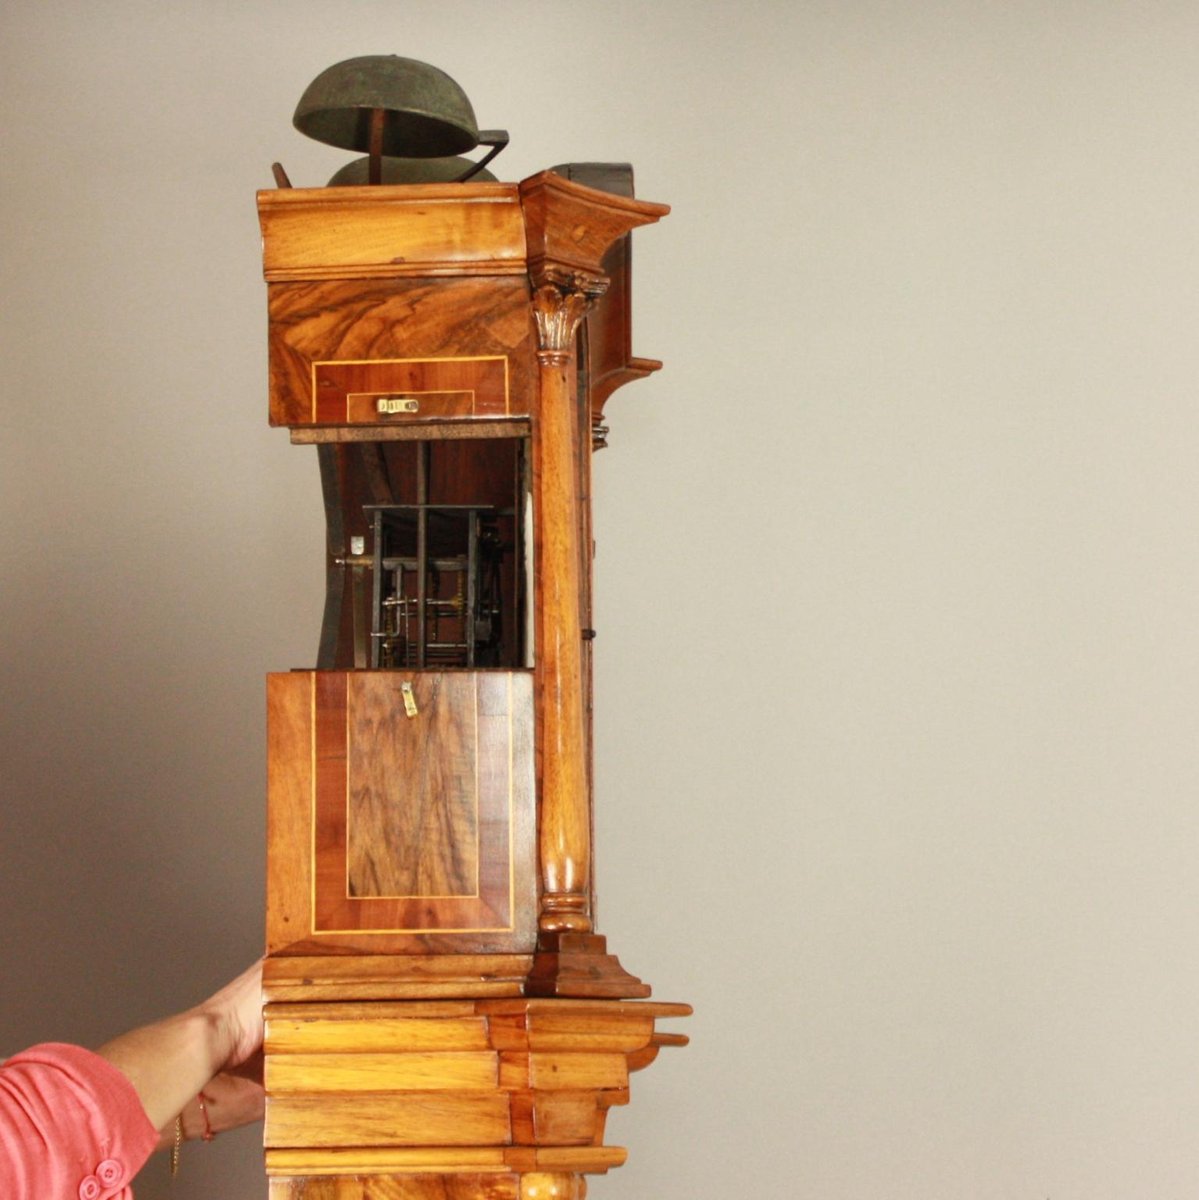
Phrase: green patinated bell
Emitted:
{"points": [[425, 113]]}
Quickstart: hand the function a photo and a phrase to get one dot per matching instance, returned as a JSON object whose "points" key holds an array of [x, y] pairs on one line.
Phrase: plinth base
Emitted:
{"points": [[486, 1099], [537, 1185]]}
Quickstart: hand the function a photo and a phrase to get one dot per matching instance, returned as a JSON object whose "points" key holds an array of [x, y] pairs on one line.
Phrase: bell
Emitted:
{"points": [[396, 107]]}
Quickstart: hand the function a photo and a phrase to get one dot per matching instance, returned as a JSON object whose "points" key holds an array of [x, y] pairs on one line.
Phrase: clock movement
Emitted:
{"points": [[444, 1021]]}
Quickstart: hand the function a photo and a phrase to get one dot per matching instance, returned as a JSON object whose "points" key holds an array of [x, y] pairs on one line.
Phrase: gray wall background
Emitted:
{"points": [[897, 570]]}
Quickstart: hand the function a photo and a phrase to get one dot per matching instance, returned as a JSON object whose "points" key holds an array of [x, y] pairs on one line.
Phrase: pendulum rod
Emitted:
{"points": [[422, 552]]}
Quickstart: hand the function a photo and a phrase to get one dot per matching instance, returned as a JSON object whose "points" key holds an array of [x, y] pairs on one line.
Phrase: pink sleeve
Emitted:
{"points": [[71, 1126]]}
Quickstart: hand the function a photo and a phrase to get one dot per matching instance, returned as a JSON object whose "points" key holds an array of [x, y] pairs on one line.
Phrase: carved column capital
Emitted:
{"points": [[561, 298]]}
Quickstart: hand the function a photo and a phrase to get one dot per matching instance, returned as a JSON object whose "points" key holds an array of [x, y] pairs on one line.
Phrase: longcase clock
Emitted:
{"points": [[443, 1020]]}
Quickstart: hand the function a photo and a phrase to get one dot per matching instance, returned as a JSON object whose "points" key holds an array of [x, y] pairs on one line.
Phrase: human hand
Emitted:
{"points": [[230, 1101], [236, 1013]]}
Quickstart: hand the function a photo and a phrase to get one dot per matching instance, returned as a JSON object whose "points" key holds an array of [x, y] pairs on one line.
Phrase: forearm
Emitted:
{"points": [[170, 1061]]}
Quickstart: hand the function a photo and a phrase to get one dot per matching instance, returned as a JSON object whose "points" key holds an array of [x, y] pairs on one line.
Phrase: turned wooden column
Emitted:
{"points": [[559, 304]]}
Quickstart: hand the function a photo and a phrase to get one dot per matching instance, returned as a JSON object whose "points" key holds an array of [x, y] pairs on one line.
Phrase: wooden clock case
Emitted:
{"points": [[442, 1018]]}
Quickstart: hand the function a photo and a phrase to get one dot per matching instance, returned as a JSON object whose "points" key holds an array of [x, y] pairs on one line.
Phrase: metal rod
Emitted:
{"points": [[376, 590], [375, 169], [422, 547], [358, 589], [522, 570], [404, 626], [472, 572], [451, 605]]}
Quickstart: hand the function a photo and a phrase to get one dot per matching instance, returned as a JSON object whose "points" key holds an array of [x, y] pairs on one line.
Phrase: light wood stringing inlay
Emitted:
{"points": [[502, 764]]}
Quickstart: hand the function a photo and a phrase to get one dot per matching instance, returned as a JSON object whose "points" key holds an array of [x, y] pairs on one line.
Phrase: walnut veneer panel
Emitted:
{"points": [[412, 802], [396, 320], [393, 834]]}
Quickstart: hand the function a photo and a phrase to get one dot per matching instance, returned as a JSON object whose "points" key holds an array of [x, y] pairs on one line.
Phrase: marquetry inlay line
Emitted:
{"points": [[312, 800], [424, 358], [511, 805], [478, 815]]}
